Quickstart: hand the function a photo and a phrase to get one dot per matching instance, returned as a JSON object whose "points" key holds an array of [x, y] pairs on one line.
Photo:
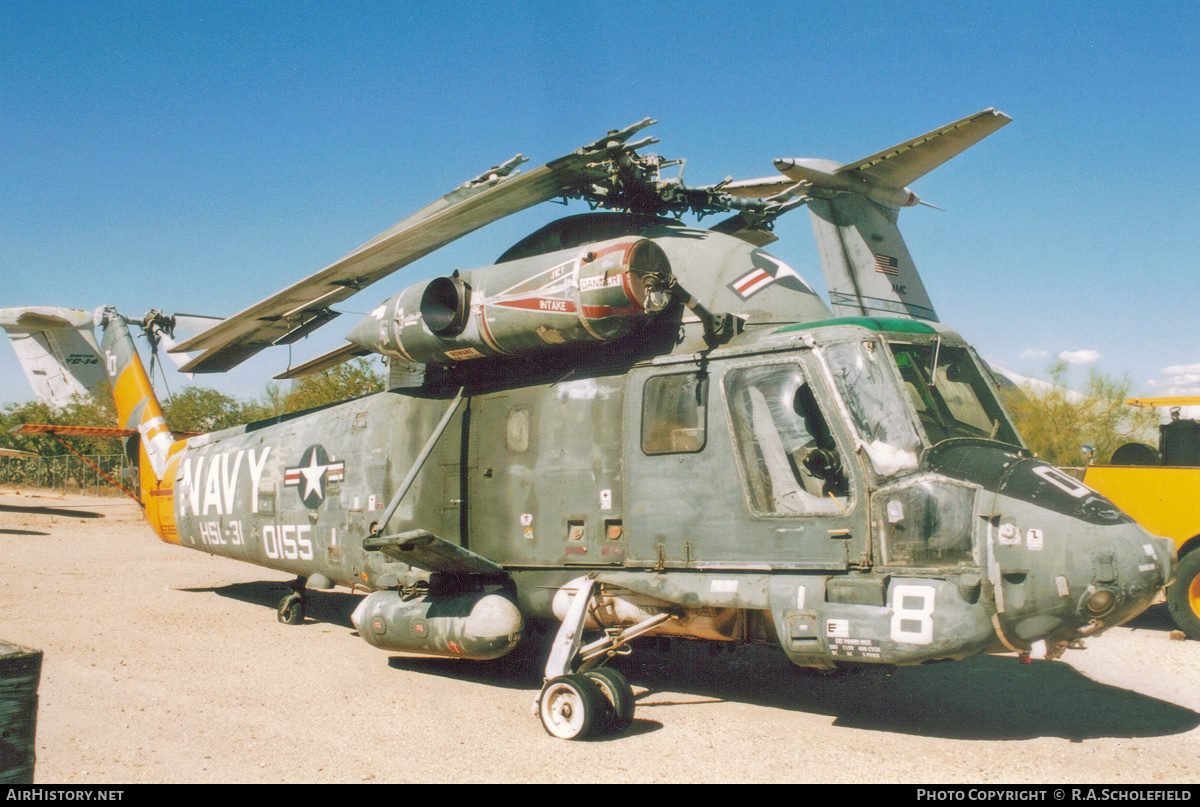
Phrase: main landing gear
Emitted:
{"points": [[291, 607], [580, 698]]}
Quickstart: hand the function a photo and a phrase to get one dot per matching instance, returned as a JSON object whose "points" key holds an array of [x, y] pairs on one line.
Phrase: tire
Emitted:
{"points": [[572, 707], [1183, 596], [619, 694], [291, 610]]}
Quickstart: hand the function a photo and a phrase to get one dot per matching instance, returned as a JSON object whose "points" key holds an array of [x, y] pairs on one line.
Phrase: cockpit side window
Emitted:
{"points": [[789, 459], [674, 413]]}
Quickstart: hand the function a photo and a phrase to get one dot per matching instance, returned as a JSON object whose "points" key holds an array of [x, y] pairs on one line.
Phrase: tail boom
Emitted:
{"points": [[138, 409]]}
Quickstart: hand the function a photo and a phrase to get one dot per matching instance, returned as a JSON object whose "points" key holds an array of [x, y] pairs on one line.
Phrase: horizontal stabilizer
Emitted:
{"points": [[883, 176], [57, 350], [854, 209], [425, 550], [899, 165]]}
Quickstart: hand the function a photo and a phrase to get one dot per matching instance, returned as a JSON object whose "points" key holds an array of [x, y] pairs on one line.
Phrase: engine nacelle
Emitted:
{"points": [[588, 295], [474, 626]]}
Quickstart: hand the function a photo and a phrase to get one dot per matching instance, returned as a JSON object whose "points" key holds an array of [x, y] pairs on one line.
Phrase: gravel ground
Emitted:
{"points": [[167, 665]]}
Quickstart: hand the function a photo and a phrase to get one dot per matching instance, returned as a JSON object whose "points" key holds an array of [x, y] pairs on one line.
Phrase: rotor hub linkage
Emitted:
{"points": [[633, 182]]}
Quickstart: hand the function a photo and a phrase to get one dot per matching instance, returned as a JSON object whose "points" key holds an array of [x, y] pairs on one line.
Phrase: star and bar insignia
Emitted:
{"points": [[767, 270], [312, 474]]}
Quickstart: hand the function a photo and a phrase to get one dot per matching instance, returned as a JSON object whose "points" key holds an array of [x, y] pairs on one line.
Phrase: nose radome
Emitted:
{"points": [[1118, 575], [1076, 580]]}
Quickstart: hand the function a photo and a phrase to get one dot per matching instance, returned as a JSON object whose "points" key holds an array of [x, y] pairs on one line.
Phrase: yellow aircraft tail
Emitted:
{"points": [[138, 409]]}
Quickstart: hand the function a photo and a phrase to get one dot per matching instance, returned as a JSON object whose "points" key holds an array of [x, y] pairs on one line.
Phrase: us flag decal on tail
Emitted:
{"points": [[887, 265]]}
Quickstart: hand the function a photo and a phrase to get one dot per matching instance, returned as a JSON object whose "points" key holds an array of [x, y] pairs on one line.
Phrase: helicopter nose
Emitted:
{"points": [[1072, 580], [1061, 560], [1118, 576]]}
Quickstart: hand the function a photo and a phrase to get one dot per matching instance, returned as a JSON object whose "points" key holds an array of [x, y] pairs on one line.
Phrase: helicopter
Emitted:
{"points": [[630, 427]]}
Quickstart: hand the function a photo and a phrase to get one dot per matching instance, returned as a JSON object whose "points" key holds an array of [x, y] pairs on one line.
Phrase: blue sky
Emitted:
{"points": [[199, 156]]}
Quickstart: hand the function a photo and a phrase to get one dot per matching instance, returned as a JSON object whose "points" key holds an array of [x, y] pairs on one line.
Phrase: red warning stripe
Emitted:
{"points": [[73, 431]]}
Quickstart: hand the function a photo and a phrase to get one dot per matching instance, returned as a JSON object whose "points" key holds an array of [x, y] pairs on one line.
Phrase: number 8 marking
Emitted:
{"points": [[912, 625]]}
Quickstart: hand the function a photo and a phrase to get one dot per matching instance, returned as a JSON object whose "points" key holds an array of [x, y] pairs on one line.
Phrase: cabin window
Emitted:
{"points": [[674, 413], [789, 459]]}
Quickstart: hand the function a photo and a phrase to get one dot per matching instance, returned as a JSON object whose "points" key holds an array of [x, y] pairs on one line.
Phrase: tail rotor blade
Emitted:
{"points": [[194, 323], [179, 359]]}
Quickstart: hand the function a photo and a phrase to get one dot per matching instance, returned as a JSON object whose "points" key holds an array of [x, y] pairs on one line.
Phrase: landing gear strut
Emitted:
{"points": [[291, 607], [580, 697]]}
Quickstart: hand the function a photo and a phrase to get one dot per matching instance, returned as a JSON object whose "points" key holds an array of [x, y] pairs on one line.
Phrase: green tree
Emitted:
{"points": [[349, 380], [1056, 423], [200, 409], [81, 411], [194, 409], [273, 401]]}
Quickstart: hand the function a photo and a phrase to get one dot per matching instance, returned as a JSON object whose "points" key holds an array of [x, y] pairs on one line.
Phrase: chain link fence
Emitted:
{"points": [[69, 473]]}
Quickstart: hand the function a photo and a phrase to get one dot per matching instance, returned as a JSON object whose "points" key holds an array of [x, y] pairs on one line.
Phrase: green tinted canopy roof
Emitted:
{"points": [[892, 324]]}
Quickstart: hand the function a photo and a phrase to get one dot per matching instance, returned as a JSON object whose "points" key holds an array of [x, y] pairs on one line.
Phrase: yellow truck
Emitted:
{"points": [[1160, 489]]}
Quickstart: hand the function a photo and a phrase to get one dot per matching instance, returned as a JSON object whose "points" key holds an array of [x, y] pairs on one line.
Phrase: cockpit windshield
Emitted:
{"points": [[944, 384], [876, 405], [949, 393]]}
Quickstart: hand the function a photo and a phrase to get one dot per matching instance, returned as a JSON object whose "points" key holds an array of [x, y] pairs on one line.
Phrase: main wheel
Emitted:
{"points": [[618, 692], [1183, 596], [572, 706], [291, 610]]}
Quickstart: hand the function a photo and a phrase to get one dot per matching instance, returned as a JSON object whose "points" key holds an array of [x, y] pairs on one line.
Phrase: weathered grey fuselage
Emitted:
{"points": [[799, 484]]}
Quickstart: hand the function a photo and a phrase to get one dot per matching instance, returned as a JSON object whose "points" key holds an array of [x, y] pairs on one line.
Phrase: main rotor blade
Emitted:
{"points": [[489, 197], [324, 362]]}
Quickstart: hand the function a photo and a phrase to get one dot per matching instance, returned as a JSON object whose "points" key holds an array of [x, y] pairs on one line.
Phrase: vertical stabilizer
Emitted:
{"points": [[137, 405], [58, 352], [854, 207], [867, 266]]}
